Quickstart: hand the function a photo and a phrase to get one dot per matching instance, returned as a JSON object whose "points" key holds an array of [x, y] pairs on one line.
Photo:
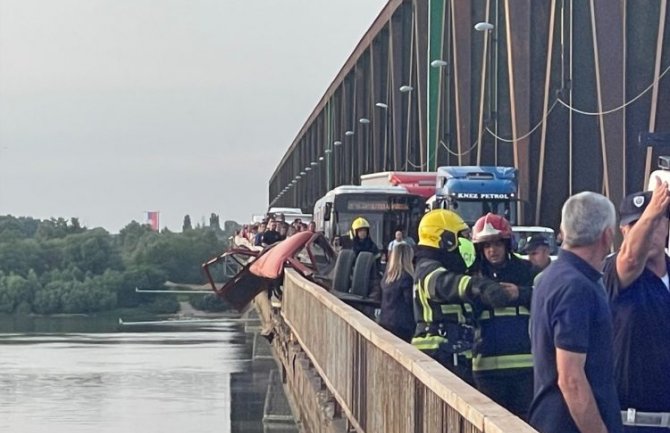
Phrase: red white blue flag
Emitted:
{"points": [[153, 220]]}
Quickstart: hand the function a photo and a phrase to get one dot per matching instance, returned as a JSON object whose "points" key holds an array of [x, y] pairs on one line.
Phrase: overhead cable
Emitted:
{"points": [[601, 113], [529, 133]]}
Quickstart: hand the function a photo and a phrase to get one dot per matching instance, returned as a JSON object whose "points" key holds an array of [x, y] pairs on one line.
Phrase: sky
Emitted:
{"points": [[111, 108]]}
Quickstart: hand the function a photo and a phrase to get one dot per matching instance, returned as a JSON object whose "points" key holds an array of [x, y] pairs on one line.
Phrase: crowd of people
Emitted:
{"points": [[268, 232], [570, 345]]}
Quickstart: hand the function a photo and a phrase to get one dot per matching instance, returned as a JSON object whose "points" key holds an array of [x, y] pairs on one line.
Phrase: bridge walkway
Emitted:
{"points": [[345, 373]]}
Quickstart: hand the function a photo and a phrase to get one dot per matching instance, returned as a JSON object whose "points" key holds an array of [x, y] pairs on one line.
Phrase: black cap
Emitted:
{"points": [[632, 206], [534, 242]]}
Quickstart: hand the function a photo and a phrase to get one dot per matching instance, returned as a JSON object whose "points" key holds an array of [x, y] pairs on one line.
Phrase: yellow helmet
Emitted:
{"points": [[440, 228], [357, 224]]}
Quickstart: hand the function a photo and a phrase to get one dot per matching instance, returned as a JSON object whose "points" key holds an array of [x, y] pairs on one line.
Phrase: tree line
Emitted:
{"points": [[59, 266]]}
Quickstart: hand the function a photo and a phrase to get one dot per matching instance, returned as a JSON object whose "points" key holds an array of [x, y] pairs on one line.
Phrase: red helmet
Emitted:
{"points": [[491, 227]]}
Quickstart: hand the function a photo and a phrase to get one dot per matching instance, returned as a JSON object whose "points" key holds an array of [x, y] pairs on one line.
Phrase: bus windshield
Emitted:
{"points": [[386, 214], [472, 210]]}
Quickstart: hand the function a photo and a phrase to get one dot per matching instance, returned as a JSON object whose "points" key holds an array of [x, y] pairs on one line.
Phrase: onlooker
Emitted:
{"points": [[311, 226], [400, 239], [637, 282], [291, 231], [252, 234], [502, 364], [571, 327], [397, 314], [537, 248], [271, 235], [245, 230], [283, 230], [239, 240], [258, 240]]}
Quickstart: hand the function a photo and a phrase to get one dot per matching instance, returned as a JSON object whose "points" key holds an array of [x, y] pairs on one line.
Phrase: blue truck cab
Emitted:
{"points": [[473, 191]]}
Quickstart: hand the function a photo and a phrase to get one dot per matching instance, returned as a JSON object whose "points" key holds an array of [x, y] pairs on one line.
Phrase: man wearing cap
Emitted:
{"points": [[537, 248], [636, 278]]}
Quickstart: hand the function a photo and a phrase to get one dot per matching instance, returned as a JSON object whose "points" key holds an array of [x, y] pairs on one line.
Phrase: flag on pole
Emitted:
{"points": [[153, 220]]}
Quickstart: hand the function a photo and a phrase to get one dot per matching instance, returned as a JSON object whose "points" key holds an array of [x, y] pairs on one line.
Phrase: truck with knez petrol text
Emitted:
{"points": [[473, 191]]}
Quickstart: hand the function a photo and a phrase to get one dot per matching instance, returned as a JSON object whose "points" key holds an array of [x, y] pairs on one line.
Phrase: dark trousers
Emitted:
{"points": [[510, 388]]}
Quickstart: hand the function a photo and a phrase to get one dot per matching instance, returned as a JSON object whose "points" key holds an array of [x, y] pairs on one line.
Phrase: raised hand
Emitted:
{"points": [[660, 200]]}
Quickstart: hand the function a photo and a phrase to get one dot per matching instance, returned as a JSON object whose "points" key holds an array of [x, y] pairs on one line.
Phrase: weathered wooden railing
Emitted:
{"points": [[380, 383]]}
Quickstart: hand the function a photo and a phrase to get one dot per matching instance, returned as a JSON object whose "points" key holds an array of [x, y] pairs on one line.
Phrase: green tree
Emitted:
{"points": [[48, 298], [141, 277], [58, 265], [230, 226], [92, 251], [14, 290], [131, 235], [214, 222], [187, 224], [58, 228], [180, 255], [13, 228]]}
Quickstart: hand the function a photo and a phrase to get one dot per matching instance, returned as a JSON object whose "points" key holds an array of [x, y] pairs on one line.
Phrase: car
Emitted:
{"points": [[345, 276]]}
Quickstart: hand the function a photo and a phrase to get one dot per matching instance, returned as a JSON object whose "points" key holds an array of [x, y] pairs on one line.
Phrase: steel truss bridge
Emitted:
{"points": [[571, 92]]}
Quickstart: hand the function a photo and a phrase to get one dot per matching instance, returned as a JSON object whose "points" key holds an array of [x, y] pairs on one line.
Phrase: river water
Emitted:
{"points": [[72, 375]]}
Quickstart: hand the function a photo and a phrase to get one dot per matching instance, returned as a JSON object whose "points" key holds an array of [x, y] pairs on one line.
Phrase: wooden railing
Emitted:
{"points": [[381, 383]]}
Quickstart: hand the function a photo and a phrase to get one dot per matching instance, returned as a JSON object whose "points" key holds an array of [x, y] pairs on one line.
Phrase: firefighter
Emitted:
{"points": [[362, 242], [502, 364], [443, 290], [360, 235]]}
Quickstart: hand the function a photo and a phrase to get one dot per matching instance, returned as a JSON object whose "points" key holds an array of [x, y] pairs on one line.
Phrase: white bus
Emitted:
{"points": [[386, 208]]}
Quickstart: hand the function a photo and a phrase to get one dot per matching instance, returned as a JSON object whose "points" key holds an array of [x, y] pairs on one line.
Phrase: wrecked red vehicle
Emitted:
{"points": [[251, 272]]}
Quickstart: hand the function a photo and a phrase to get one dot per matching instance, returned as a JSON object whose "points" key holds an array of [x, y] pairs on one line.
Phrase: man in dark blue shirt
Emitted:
{"points": [[637, 283], [271, 235], [571, 327]]}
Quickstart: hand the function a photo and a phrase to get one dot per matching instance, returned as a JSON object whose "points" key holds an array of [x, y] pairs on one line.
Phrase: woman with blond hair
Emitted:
{"points": [[397, 314]]}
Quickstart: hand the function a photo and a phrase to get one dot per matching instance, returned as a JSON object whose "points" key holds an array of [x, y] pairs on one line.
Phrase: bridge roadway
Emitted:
{"points": [[345, 373]]}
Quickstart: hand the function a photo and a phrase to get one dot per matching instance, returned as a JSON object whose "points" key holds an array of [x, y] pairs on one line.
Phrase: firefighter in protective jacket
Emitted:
{"points": [[443, 290], [502, 364], [360, 236]]}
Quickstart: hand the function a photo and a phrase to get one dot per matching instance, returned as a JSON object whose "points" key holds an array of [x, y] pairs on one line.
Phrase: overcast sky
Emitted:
{"points": [[110, 108]]}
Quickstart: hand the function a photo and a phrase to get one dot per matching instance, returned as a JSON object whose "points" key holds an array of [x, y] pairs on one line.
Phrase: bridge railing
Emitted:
{"points": [[381, 383]]}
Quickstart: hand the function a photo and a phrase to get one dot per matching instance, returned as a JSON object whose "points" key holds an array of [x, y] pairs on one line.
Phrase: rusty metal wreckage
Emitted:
{"points": [[569, 92]]}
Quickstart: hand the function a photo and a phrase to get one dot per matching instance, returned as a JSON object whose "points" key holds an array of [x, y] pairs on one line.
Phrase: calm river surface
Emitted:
{"points": [[71, 375]]}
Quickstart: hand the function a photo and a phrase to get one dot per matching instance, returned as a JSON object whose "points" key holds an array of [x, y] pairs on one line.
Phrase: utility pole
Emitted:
{"points": [[436, 11]]}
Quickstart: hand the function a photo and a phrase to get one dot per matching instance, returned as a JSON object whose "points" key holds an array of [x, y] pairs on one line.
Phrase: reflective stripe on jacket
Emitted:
{"points": [[502, 339], [439, 310]]}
